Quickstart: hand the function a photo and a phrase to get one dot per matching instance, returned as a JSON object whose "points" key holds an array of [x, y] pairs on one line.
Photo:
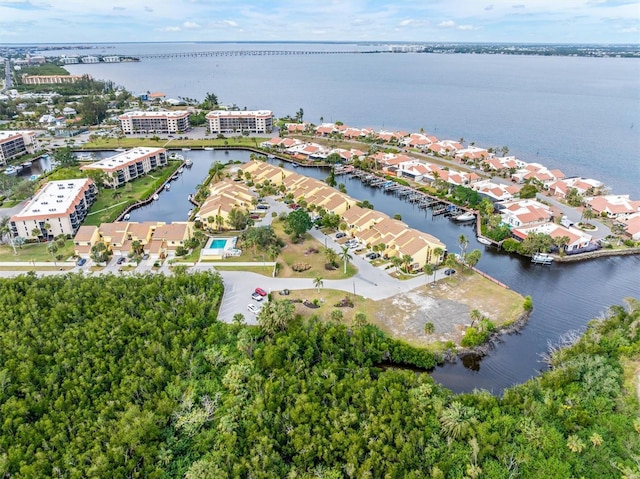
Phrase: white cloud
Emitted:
{"points": [[190, 25], [231, 23], [170, 29], [447, 24]]}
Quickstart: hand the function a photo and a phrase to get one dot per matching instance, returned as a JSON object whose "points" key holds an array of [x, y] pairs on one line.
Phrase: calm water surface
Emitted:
{"points": [[565, 296]]}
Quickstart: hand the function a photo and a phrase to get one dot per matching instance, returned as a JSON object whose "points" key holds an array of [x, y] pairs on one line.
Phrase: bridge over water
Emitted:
{"points": [[245, 53]]}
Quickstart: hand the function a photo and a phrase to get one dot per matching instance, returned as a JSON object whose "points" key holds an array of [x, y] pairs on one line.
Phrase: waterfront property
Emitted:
{"points": [[614, 206], [155, 238], [224, 196], [58, 208], [154, 122], [576, 239], [230, 121], [524, 212], [16, 143], [129, 165]]}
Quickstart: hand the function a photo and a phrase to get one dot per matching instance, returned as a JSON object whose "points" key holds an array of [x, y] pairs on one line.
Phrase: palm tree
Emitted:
{"points": [[457, 420], [475, 315], [429, 328], [406, 262], [317, 282], [463, 242], [561, 242], [438, 252], [587, 214], [345, 257], [36, 232], [331, 256], [397, 262], [575, 444], [238, 319], [428, 270], [52, 248]]}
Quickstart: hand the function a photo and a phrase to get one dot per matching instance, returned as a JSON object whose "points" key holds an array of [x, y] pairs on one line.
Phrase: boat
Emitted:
{"points": [[11, 171], [208, 148], [180, 170], [468, 216], [541, 258], [27, 164], [176, 156], [270, 157], [120, 150], [186, 149], [188, 162], [126, 217], [483, 240], [189, 213], [167, 186], [294, 164], [155, 197], [18, 168]]}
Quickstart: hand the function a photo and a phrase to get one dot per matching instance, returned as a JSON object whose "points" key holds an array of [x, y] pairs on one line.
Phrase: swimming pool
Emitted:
{"points": [[218, 243], [218, 248]]}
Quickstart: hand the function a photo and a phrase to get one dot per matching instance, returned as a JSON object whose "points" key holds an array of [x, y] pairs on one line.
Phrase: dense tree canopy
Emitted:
{"points": [[133, 377]]}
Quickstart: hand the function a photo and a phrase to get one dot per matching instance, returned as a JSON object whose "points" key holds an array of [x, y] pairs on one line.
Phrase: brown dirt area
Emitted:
{"points": [[447, 305]]}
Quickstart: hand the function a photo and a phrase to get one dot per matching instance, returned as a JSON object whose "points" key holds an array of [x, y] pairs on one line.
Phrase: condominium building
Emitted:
{"points": [[58, 208], [111, 59], [154, 121], [15, 143], [224, 121], [90, 59], [128, 165], [50, 79]]}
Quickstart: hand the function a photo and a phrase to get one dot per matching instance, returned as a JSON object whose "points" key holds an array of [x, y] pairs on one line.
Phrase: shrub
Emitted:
{"points": [[299, 267], [528, 303]]}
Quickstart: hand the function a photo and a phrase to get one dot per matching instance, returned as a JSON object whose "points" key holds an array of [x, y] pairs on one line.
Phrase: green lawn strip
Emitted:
{"points": [[263, 270], [35, 252], [111, 203], [172, 143]]}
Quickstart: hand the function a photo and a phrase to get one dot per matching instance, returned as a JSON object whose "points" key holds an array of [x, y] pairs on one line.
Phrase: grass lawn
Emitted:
{"points": [[327, 299], [300, 252], [35, 252], [263, 270], [112, 143], [111, 203]]}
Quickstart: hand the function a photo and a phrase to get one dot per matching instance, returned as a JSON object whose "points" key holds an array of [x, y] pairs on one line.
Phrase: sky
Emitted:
{"points": [[518, 21]]}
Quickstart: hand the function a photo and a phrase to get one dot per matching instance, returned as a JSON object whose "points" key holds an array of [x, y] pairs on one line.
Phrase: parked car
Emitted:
{"points": [[449, 271], [261, 291], [121, 260], [284, 292], [373, 255], [256, 297], [145, 256], [82, 261], [340, 235], [254, 308], [262, 207], [254, 217]]}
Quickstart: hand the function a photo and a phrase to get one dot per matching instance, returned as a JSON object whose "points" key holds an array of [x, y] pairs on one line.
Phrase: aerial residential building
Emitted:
{"points": [[128, 165], [58, 208], [614, 206], [111, 59], [15, 143], [154, 122], [51, 79], [90, 59], [225, 121]]}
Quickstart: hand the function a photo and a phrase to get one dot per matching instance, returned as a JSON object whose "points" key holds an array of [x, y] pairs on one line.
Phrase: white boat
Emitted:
{"points": [[294, 164], [468, 216], [11, 171], [120, 150], [167, 186], [189, 213], [208, 148], [176, 156], [542, 258], [188, 162], [186, 149], [155, 197], [18, 168], [483, 240], [180, 170], [126, 217]]}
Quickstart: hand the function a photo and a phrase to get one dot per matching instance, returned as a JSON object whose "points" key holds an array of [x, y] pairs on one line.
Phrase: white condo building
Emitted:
{"points": [[15, 143], [225, 121], [154, 121], [58, 208], [129, 165]]}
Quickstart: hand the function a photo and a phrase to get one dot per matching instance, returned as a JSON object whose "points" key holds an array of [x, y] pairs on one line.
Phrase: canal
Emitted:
{"points": [[565, 296]]}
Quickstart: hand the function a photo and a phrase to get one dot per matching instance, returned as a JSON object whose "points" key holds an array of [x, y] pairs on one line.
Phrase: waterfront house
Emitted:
{"points": [[496, 191], [154, 122], [614, 206], [84, 239], [523, 212], [360, 219], [578, 239], [631, 224]]}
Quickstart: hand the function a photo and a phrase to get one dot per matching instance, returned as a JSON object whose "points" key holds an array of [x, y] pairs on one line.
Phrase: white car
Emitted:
{"points": [[256, 297], [254, 308]]}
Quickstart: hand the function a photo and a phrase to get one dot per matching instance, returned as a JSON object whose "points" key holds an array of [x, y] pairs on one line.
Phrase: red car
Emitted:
{"points": [[261, 292]]}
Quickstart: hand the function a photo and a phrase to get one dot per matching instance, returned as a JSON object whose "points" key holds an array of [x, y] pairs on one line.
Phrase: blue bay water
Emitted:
{"points": [[579, 114]]}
